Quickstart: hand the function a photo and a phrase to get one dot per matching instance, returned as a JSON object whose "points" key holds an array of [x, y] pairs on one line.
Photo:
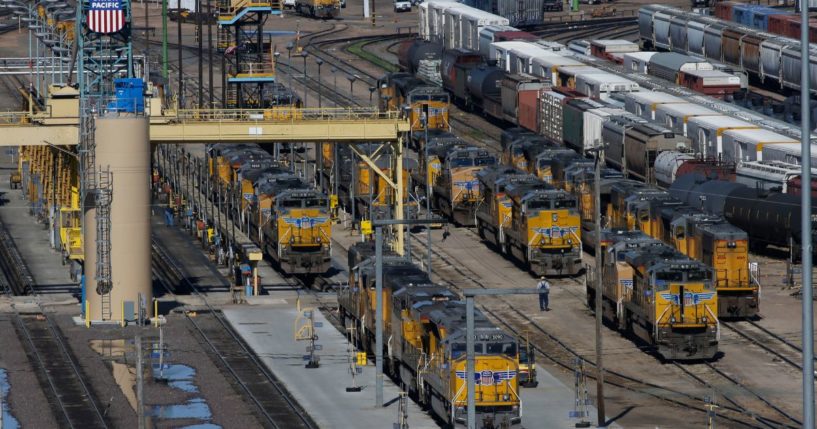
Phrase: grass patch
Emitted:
{"points": [[357, 50]]}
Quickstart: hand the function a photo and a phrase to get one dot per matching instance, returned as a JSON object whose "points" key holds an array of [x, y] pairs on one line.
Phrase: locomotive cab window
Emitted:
{"points": [[315, 203], [461, 162], [501, 349], [564, 204], [291, 204], [486, 160]]}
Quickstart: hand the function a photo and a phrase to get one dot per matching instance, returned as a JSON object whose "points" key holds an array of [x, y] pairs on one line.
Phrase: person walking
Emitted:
{"points": [[544, 290]]}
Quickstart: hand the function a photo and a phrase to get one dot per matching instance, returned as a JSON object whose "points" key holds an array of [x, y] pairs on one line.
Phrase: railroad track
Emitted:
{"points": [[74, 403], [270, 398], [779, 347]]}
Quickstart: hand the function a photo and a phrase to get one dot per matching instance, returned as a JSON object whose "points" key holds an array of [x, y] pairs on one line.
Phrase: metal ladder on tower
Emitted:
{"points": [[104, 196]]}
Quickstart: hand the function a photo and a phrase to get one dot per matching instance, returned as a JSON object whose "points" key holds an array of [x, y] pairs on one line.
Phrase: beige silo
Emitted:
{"points": [[123, 147]]}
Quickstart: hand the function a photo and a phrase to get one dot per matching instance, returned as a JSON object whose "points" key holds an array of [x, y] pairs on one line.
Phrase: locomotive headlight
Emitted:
{"points": [[506, 397], [541, 241], [569, 241], [703, 319], [672, 319], [291, 240], [318, 240]]}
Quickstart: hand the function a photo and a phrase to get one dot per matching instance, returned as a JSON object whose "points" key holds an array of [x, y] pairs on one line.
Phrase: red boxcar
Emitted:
{"points": [[710, 82], [508, 36], [723, 10]]}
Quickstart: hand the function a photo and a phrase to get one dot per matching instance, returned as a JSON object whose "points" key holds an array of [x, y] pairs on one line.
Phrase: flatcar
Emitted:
{"points": [[659, 295], [426, 352]]}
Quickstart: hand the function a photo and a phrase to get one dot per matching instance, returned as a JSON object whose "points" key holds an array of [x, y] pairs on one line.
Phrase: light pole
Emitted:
{"points": [[371, 93], [352, 80], [290, 46], [805, 229], [378, 246], [305, 54], [599, 153], [275, 56], [332, 70], [424, 121], [320, 83]]}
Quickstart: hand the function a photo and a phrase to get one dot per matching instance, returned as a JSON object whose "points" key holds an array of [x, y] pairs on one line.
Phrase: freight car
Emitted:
{"points": [[530, 221], [322, 9], [634, 144], [659, 295], [426, 353], [770, 218], [285, 217]]}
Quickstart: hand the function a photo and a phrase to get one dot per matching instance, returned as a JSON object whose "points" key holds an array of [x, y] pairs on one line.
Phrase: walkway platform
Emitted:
{"points": [[268, 330], [53, 279]]}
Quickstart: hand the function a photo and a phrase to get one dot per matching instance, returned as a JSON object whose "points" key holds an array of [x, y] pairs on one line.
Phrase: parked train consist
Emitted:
{"points": [[530, 220], [425, 324], [322, 9], [286, 217], [770, 58], [661, 296], [703, 237]]}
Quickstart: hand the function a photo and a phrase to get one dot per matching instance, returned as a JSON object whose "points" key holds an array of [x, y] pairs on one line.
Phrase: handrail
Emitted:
{"points": [[281, 114]]}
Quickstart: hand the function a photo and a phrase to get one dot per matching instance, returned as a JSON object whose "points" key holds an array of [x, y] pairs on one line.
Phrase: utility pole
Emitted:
{"points": [[210, 50], [164, 41], [597, 280], [180, 96], [140, 404], [428, 188], [201, 52], [805, 218]]}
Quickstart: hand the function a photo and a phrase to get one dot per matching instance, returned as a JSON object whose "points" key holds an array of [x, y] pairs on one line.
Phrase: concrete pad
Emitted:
{"points": [[321, 391]]}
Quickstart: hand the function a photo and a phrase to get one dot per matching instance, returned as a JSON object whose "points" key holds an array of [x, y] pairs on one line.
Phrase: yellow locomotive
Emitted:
{"points": [[425, 324], [322, 9], [703, 237], [530, 221], [284, 216], [402, 91], [371, 195], [656, 293], [452, 168]]}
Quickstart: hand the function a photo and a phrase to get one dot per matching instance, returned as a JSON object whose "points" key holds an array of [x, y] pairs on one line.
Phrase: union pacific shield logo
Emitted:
{"points": [[106, 16]]}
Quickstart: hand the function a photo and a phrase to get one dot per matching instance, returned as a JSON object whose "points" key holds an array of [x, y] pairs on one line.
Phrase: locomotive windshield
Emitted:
{"points": [[481, 347], [315, 203], [564, 204], [485, 160], [462, 162]]}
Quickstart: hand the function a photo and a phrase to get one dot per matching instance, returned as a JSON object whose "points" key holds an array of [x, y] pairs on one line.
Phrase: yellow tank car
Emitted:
{"points": [[545, 232], [428, 328], [661, 296]]}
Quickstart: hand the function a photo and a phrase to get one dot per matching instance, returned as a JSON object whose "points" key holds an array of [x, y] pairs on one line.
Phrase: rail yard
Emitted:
{"points": [[330, 214]]}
